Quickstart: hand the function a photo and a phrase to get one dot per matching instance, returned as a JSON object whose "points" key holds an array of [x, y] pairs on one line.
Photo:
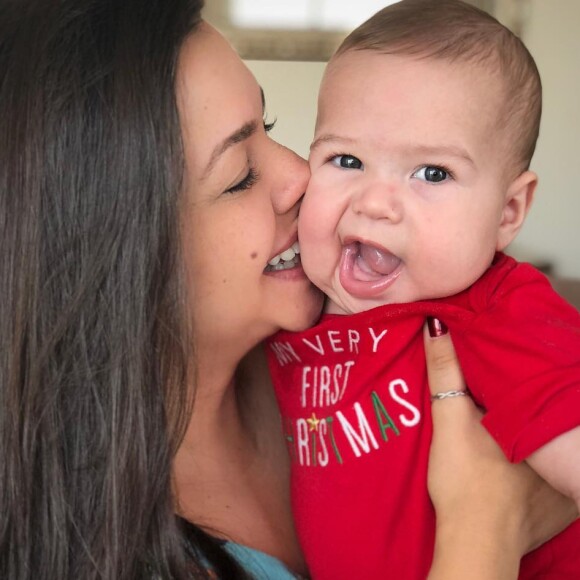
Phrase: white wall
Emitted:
{"points": [[291, 91], [552, 231]]}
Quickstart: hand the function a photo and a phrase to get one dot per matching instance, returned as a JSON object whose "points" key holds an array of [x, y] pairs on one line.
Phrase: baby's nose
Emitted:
{"points": [[379, 200]]}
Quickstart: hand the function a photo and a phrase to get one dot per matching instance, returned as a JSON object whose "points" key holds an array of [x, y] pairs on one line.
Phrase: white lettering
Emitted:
{"points": [[335, 341], [317, 383], [305, 384], [336, 377], [358, 440], [302, 442], [284, 352], [353, 340], [324, 388], [347, 366], [416, 415], [316, 348], [377, 339], [323, 453]]}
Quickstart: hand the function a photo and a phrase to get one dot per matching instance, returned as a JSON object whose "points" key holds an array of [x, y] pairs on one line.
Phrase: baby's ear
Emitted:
{"points": [[518, 200]]}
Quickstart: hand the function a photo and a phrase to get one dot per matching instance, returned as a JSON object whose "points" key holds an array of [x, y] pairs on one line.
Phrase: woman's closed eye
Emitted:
{"points": [[346, 161], [432, 174], [248, 181], [252, 175]]}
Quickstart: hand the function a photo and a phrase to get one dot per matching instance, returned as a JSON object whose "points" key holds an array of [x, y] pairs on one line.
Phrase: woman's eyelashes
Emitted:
{"points": [[252, 176], [346, 161], [433, 174], [269, 126], [248, 181]]}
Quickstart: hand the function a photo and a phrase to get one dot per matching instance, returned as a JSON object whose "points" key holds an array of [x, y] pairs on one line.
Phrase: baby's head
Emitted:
{"points": [[427, 121]]}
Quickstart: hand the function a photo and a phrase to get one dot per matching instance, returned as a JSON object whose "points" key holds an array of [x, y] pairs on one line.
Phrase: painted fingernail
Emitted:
{"points": [[436, 327]]}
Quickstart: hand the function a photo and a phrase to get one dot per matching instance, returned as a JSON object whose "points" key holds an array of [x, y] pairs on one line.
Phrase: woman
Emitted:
{"points": [[141, 201]]}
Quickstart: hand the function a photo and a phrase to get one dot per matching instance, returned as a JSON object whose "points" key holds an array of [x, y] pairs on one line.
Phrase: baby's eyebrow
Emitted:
{"points": [[330, 138], [448, 150]]}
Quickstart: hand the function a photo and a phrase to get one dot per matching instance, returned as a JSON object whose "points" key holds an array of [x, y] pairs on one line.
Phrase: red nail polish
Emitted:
{"points": [[436, 327]]}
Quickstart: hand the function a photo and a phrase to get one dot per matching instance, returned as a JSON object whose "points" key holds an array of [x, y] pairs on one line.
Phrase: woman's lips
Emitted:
{"points": [[366, 270], [285, 260]]}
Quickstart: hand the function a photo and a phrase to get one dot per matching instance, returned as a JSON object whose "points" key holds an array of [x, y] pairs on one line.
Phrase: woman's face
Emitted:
{"points": [[241, 201]]}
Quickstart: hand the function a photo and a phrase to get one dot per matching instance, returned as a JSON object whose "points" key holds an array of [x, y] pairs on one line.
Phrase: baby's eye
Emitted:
{"points": [[347, 162], [432, 174]]}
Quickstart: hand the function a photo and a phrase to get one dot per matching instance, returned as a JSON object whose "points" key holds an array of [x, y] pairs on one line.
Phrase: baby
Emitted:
{"points": [[428, 118]]}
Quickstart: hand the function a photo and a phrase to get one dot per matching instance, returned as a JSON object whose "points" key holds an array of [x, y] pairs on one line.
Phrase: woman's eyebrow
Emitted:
{"points": [[241, 134]]}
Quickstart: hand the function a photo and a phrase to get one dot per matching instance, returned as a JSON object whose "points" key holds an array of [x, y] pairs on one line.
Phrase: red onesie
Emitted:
{"points": [[356, 411]]}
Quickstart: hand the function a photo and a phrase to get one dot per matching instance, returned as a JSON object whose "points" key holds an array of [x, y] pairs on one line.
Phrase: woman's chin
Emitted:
{"points": [[307, 313]]}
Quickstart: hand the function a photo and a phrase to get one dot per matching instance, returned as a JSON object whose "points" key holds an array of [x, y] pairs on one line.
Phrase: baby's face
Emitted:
{"points": [[407, 193]]}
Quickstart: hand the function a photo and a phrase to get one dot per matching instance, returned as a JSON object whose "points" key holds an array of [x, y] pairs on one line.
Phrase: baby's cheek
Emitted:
{"points": [[310, 252], [310, 215], [316, 232]]}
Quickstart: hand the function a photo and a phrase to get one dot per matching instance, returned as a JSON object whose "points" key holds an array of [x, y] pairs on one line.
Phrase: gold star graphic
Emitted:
{"points": [[313, 422]]}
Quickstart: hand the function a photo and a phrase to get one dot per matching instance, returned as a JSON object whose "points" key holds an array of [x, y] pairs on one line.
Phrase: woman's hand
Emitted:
{"points": [[489, 512]]}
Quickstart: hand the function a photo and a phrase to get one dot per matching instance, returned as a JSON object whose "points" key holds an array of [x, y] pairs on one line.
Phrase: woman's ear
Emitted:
{"points": [[518, 201]]}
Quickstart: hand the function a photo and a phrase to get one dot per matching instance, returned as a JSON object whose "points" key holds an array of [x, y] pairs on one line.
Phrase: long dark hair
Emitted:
{"points": [[93, 396]]}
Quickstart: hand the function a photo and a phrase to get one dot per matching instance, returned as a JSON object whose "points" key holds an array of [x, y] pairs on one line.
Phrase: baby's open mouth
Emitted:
{"points": [[367, 270], [372, 262], [285, 260]]}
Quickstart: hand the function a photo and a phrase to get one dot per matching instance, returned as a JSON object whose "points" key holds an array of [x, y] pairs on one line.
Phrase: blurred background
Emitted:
{"points": [[286, 44]]}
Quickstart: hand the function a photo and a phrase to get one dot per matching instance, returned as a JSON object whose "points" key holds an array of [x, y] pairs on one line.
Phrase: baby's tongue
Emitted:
{"points": [[377, 261]]}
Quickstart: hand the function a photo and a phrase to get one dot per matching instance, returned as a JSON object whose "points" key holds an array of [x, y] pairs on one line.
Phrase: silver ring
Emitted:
{"points": [[448, 395]]}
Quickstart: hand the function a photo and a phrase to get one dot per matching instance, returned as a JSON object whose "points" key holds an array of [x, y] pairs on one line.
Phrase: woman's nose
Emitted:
{"points": [[290, 180], [378, 201]]}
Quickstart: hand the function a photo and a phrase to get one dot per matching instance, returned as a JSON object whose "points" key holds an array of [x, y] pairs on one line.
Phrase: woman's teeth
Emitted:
{"points": [[285, 260]]}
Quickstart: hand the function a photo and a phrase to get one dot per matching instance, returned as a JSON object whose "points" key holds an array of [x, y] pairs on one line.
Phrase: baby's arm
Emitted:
{"points": [[558, 462], [521, 358], [489, 512]]}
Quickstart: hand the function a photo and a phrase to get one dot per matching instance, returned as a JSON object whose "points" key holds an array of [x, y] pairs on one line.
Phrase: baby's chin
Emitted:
{"points": [[341, 302], [350, 305]]}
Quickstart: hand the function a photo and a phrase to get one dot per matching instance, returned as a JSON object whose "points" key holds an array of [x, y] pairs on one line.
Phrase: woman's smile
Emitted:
{"points": [[285, 260]]}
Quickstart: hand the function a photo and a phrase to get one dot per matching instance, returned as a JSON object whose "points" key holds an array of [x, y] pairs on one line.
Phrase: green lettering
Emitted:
{"points": [[383, 418], [329, 421]]}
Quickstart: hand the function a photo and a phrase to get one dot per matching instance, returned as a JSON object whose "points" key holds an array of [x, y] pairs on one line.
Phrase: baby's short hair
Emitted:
{"points": [[458, 32]]}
